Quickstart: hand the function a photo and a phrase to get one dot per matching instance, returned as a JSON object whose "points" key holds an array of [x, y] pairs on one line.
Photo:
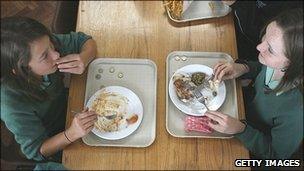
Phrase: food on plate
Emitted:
{"points": [[109, 104], [198, 78], [186, 84], [214, 85], [214, 93], [132, 119], [198, 124], [175, 8], [183, 86]]}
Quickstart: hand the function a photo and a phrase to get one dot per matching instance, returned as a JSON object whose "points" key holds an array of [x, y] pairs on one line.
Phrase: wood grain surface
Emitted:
{"points": [[142, 29]]}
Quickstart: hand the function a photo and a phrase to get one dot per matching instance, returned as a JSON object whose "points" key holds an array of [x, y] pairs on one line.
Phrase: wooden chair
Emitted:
{"points": [[65, 17], [11, 156]]}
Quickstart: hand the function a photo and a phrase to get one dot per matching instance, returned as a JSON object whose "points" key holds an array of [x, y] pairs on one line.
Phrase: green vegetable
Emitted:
{"points": [[198, 78]]}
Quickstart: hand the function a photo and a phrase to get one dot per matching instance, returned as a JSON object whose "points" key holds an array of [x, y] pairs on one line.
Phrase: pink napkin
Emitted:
{"points": [[197, 123]]}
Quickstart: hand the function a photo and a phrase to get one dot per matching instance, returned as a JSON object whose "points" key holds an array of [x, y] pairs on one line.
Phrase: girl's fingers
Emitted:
{"points": [[68, 58], [67, 65], [75, 70], [219, 114], [85, 110], [89, 119], [214, 126], [217, 65], [216, 68], [222, 73], [86, 114], [218, 71], [88, 129], [87, 125], [215, 118]]}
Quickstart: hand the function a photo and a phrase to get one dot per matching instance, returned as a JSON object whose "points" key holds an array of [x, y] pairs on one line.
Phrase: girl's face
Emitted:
{"points": [[272, 48], [43, 56]]}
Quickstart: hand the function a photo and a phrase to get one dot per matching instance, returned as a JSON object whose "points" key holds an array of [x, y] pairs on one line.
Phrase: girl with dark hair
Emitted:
{"points": [[33, 97], [274, 119]]}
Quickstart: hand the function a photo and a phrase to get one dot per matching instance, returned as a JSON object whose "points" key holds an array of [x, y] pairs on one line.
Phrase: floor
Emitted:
{"points": [[42, 11]]}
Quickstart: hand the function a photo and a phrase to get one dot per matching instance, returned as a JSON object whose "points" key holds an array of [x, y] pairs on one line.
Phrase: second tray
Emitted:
{"points": [[174, 117], [202, 10]]}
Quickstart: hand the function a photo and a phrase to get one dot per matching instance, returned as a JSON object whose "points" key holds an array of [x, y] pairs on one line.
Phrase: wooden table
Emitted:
{"points": [[142, 29]]}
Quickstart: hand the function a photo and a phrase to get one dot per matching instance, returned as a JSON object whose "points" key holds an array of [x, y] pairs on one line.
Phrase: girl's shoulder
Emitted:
{"points": [[291, 104], [13, 99], [8, 92]]}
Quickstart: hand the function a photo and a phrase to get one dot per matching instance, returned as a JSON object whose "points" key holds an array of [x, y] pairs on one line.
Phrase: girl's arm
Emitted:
{"points": [[77, 63], [284, 138], [54, 144], [88, 52], [81, 125]]}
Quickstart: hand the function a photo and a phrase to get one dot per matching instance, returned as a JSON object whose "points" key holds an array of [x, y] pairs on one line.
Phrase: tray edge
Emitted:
{"points": [[167, 96], [152, 64]]}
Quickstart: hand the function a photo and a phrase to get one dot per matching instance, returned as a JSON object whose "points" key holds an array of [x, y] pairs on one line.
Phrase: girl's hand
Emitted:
{"points": [[71, 63], [82, 124], [227, 70], [224, 123]]}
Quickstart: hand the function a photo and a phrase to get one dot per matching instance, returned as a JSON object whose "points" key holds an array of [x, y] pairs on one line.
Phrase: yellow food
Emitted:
{"points": [[175, 8], [107, 104]]}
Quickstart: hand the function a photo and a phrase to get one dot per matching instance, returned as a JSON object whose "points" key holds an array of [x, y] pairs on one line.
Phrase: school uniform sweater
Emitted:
{"points": [[275, 120], [33, 121]]}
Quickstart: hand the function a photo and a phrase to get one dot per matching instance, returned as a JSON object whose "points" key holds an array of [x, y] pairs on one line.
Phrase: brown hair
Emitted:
{"points": [[291, 23], [16, 35]]}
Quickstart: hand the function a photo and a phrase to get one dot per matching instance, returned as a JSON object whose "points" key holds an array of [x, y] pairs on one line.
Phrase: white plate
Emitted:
{"points": [[134, 106], [196, 108]]}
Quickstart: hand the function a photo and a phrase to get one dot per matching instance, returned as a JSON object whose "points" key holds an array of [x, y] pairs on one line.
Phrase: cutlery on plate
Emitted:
{"points": [[107, 117], [200, 97]]}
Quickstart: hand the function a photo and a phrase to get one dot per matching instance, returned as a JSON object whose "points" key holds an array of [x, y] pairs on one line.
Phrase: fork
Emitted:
{"points": [[211, 77], [107, 117], [207, 80], [200, 97]]}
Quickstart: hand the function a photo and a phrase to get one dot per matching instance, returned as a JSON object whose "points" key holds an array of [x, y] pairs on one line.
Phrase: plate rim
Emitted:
{"points": [[170, 90], [132, 131]]}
